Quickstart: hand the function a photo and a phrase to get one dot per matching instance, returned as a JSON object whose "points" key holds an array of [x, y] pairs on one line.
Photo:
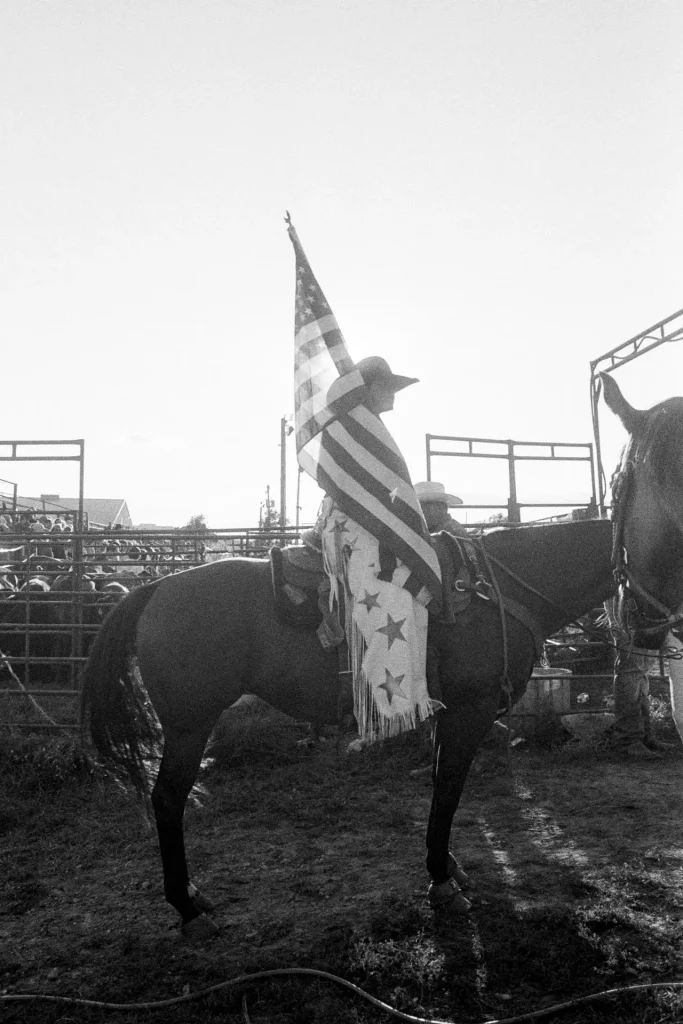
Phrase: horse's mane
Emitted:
{"points": [[658, 448]]}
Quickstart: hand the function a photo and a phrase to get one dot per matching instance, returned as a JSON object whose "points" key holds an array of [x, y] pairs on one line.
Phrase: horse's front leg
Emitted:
{"points": [[180, 763], [459, 731]]}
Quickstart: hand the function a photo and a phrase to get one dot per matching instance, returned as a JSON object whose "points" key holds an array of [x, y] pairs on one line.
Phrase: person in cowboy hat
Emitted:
{"points": [[386, 599], [435, 503], [380, 382]]}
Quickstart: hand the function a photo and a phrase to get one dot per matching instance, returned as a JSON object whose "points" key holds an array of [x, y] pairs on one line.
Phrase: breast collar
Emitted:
{"points": [[635, 604]]}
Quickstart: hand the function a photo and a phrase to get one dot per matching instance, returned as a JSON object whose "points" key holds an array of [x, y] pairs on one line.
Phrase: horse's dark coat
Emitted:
{"points": [[205, 636]]}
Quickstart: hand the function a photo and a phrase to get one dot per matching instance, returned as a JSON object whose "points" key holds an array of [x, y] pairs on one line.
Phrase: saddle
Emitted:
{"points": [[301, 589]]}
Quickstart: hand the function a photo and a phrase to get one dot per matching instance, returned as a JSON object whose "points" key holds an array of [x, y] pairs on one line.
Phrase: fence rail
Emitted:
{"points": [[55, 590], [45, 632]]}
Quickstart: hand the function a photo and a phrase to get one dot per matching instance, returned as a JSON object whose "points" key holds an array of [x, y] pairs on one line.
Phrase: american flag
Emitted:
{"points": [[347, 449]]}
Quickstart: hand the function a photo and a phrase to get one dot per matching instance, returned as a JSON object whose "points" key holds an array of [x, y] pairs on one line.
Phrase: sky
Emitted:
{"points": [[489, 193]]}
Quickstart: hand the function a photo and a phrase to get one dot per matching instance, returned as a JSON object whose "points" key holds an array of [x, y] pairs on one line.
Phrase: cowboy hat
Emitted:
{"points": [[375, 370], [430, 490], [372, 370], [312, 540]]}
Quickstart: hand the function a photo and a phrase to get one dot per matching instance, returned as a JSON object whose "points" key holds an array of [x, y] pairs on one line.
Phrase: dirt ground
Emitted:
{"points": [[315, 859]]}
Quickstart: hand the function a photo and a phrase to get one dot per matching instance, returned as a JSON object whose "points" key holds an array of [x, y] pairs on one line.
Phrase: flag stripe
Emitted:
{"points": [[324, 328], [383, 456], [344, 446], [315, 413], [374, 425], [428, 575], [373, 474], [347, 474]]}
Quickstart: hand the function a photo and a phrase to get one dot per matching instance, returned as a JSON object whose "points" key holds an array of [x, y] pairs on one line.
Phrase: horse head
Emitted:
{"points": [[647, 508]]}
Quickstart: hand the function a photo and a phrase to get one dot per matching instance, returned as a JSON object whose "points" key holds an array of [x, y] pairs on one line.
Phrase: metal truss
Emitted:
{"points": [[667, 330]]}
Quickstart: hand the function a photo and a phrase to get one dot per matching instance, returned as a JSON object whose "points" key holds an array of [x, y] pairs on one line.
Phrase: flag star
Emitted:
{"points": [[393, 494], [340, 526], [392, 630], [370, 601], [392, 685]]}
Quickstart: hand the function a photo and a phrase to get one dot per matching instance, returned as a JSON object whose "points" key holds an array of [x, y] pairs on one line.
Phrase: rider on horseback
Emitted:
{"points": [[375, 538], [385, 602]]}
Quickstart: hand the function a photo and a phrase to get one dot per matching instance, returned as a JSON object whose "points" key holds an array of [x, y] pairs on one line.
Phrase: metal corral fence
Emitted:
{"points": [[55, 591]]}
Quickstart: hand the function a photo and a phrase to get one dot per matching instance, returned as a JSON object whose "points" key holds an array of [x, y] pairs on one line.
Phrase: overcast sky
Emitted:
{"points": [[489, 192]]}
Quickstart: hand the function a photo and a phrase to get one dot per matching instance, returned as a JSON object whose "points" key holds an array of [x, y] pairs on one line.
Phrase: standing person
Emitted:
{"points": [[631, 735], [58, 548], [38, 527], [375, 540]]}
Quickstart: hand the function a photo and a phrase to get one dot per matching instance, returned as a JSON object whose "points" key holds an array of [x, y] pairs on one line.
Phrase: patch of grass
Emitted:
{"points": [[313, 859], [22, 893], [546, 948], [410, 967], [396, 920], [549, 732], [37, 765], [18, 710], [256, 741]]}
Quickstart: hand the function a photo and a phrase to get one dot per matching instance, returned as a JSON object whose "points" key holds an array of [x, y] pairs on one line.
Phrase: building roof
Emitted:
{"points": [[104, 512]]}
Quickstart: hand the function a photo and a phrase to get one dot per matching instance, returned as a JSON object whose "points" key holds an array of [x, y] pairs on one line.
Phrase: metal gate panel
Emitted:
{"points": [[45, 633]]}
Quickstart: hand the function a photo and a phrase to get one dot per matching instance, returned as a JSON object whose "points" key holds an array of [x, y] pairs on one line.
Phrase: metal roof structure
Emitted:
{"points": [[104, 512]]}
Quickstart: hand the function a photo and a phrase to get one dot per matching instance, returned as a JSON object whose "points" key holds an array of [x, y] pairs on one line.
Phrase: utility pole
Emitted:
{"points": [[285, 430]]}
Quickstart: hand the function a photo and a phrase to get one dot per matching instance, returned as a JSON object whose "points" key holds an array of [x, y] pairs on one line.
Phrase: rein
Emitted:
{"points": [[523, 583], [518, 610]]}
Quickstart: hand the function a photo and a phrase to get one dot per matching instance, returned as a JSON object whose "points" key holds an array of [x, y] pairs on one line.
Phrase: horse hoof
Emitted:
{"points": [[456, 872], [446, 896], [203, 903], [199, 929]]}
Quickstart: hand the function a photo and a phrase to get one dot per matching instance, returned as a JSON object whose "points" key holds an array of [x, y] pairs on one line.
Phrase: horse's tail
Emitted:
{"points": [[115, 708]]}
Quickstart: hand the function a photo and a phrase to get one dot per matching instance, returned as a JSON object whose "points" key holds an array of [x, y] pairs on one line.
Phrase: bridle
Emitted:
{"points": [[631, 595]]}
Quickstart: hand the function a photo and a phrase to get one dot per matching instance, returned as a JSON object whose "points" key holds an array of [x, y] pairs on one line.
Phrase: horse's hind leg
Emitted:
{"points": [[183, 752]]}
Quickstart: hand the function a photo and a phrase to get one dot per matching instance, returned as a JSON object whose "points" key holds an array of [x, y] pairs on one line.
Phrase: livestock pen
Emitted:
{"points": [[52, 607]]}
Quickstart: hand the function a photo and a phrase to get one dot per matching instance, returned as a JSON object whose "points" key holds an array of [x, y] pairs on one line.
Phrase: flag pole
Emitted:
{"points": [[283, 472]]}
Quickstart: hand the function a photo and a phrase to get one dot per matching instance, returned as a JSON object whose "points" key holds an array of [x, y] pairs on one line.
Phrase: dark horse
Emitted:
{"points": [[205, 636]]}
